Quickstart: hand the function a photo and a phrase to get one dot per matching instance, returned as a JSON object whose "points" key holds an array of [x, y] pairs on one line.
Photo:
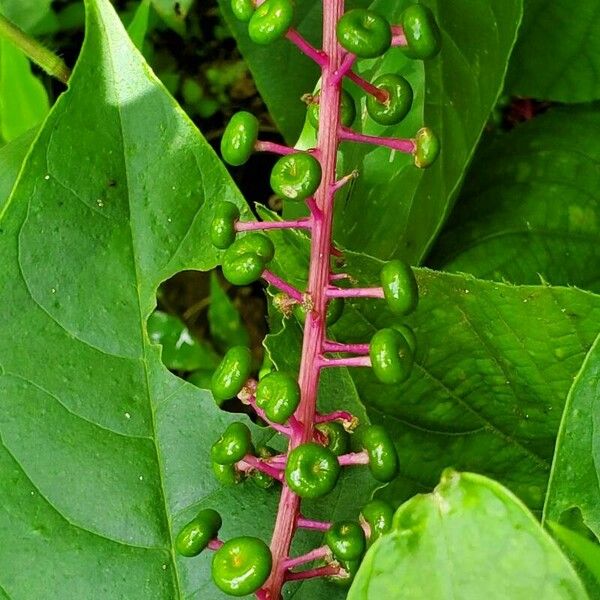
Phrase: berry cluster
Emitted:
{"points": [[320, 445]]}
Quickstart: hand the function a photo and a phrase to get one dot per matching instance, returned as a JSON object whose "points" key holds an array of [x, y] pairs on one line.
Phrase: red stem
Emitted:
{"points": [[254, 225], [284, 286], [312, 524], [353, 361], [315, 554], [354, 458], [335, 292], [259, 465], [403, 145], [337, 415], [379, 94], [305, 47], [330, 346], [312, 573], [273, 147]]}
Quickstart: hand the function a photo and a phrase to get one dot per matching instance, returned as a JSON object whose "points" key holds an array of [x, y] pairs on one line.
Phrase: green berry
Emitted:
{"points": [[427, 148], [347, 111], [409, 334], [311, 470], [335, 308], [391, 356], [377, 515], [383, 457], [194, 536], [239, 138], [337, 439], [222, 227], [232, 373], [226, 474], [241, 565], [364, 33], [233, 445], [246, 258], [422, 33], [400, 288], [278, 394], [296, 176], [346, 539], [242, 9], [262, 480], [271, 21], [400, 98], [350, 569]]}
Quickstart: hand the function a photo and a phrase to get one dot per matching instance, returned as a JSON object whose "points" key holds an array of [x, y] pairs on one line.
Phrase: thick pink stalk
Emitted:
{"points": [[318, 281], [313, 524], [214, 544], [254, 225], [315, 554], [398, 37], [402, 145], [334, 292]]}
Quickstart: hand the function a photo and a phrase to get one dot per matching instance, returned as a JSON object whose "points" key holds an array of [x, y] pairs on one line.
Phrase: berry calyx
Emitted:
{"points": [[232, 373], [311, 470], [194, 536], [235, 442], [271, 21], [278, 394], [346, 576], [246, 258], [377, 515], [242, 9], [391, 356], [226, 474], [335, 308], [364, 33], [421, 31], [346, 539], [296, 176], [427, 148], [347, 111], [241, 565], [400, 288], [239, 138], [383, 457], [336, 438], [222, 227], [398, 104]]}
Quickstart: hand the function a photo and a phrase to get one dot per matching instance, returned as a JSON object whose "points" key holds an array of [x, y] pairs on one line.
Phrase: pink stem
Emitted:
{"points": [[289, 289], [214, 544], [315, 211], [354, 361], [259, 465], [330, 346], [354, 458], [377, 93], [261, 413], [305, 47], [375, 292], [337, 415], [312, 524], [343, 69], [398, 37], [274, 148], [339, 276], [312, 573], [340, 183], [254, 225], [402, 145], [262, 594], [315, 554]]}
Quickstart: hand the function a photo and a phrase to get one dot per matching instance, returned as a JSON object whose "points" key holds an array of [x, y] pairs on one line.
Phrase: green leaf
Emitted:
{"points": [[138, 27], [575, 477], [23, 99], [173, 12], [11, 159], [400, 208], [225, 322], [529, 204], [34, 16], [470, 538], [557, 56]]}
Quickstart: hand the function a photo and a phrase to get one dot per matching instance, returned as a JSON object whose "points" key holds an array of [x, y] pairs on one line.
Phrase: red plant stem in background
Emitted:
{"points": [[277, 282], [406, 146], [318, 282], [334, 292], [254, 225], [273, 147], [315, 554], [312, 573], [313, 524]]}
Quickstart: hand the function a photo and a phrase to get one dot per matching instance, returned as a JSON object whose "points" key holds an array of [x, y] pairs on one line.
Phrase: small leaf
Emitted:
{"points": [[138, 27], [34, 16], [470, 538], [173, 12]]}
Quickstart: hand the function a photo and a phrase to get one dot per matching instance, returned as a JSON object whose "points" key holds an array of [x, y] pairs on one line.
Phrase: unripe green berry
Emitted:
{"points": [[296, 176], [222, 227], [242, 9], [364, 33], [346, 539], [383, 457], [232, 373], [239, 138], [194, 536], [246, 258], [241, 566], [335, 308], [391, 356], [400, 98], [261, 479], [234, 443], [278, 394], [377, 515], [400, 288], [347, 111], [311, 470], [337, 438], [409, 335], [226, 474], [427, 148], [421, 31], [271, 21]]}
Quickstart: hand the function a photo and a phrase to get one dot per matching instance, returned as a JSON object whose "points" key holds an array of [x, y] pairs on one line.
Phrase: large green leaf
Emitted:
{"points": [[557, 56], [34, 16], [529, 205], [575, 479], [11, 159], [469, 539]]}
